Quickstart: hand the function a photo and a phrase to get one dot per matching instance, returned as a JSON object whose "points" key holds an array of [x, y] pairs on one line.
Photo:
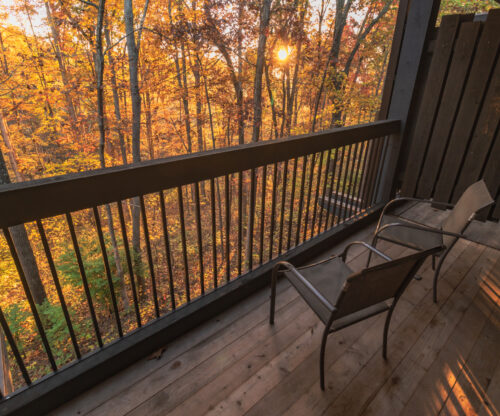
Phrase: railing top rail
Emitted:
{"points": [[28, 201]]}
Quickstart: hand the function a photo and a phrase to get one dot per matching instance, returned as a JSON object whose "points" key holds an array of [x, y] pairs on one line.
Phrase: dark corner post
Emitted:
{"points": [[420, 22]]}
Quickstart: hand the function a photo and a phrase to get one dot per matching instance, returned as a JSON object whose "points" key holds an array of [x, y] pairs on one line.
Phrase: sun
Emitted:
{"points": [[283, 54]]}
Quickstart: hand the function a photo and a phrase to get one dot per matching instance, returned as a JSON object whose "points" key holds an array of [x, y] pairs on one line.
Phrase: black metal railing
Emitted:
{"points": [[120, 247]]}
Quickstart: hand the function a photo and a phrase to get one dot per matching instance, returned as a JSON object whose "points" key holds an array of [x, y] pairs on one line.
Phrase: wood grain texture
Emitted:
{"points": [[470, 106], [450, 102], [430, 101]]}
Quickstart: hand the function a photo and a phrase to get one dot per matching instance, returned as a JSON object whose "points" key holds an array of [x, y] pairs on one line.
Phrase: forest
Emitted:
{"points": [[90, 84]]}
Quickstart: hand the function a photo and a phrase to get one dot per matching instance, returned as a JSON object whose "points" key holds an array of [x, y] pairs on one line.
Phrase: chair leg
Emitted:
{"points": [[436, 275], [386, 330], [322, 358], [274, 278], [374, 245]]}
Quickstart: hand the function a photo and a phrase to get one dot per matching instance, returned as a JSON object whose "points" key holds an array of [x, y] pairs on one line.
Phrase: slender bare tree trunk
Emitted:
{"points": [[6, 386], [271, 100], [70, 107], [295, 78], [135, 96], [99, 68], [116, 99], [265, 12]]}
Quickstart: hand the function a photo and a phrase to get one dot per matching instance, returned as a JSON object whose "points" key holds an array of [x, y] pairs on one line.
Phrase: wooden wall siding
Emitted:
{"points": [[456, 140]]}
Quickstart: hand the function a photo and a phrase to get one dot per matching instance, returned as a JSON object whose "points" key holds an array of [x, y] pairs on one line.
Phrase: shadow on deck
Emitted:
{"points": [[442, 357]]}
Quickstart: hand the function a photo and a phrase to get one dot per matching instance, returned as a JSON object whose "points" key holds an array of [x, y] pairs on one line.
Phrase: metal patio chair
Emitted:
{"points": [[417, 236], [341, 297]]}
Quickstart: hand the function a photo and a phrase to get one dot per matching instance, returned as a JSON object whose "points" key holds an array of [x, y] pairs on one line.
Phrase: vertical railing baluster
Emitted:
{"points": [[29, 297], [282, 210], [251, 220], [199, 236], [305, 160], [228, 225], [108, 270], [149, 255], [13, 347], [323, 198], [362, 176], [262, 212], [292, 200], [385, 145], [129, 263], [337, 188], [168, 252], [183, 242], [214, 230], [350, 193], [273, 210], [330, 193], [240, 218], [57, 284], [343, 197], [309, 192], [316, 197], [366, 173], [83, 274]]}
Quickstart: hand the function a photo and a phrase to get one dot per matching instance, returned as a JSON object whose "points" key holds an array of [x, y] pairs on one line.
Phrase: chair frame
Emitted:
{"points": [[417, 226], [284, 265]]}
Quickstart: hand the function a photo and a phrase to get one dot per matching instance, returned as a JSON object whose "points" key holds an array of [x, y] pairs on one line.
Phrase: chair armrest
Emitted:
{"points": [[407, 198], [368, 246], [422, 228], [305, 282]]}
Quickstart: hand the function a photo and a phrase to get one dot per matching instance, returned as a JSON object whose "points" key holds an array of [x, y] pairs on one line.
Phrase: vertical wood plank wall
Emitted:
{"points": [[456, 140]]}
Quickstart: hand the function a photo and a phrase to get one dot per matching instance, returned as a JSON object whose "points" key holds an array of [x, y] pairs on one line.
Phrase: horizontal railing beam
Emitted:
{"points": [[25, 202]]}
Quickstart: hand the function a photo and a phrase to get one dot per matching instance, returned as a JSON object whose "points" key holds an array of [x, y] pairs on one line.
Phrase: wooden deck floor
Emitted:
{"points": [[443, 358]]}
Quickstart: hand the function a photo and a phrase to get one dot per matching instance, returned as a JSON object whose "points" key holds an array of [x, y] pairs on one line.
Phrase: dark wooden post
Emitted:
{"points": [[420, 23]]}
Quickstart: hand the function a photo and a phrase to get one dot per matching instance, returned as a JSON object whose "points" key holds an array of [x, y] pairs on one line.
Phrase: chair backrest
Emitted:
{"points": [[379, 283], [474, 198]]}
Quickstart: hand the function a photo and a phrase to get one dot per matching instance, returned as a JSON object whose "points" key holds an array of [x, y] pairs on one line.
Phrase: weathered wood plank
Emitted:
{"points": [[481, 142], [492, 402], [420, 24], [434, 389], [482, 67], [469, 392], [450, 326], [491, 174], [450, 102], [430, 101]]}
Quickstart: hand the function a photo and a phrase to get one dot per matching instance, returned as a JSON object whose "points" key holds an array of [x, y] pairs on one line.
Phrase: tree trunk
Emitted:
{"points": [[341, 12], [116, 98], [261, 50], [6, 386], [135, 96], [70, 107], [99, 68], [271, 100], [293, 93]]}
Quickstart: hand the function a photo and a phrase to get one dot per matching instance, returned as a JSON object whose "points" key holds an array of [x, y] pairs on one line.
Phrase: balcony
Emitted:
{"points": [[212, 225], [442, 357]]}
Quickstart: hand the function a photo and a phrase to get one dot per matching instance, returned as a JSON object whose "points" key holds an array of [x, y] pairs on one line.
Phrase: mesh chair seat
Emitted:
{"points": [[416, 239], [328, 278]]}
